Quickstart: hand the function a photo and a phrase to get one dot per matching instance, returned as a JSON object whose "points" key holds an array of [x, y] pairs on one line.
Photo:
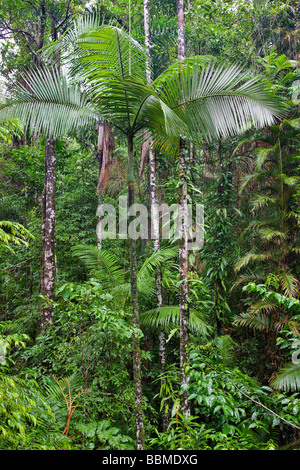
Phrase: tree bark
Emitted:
{"points": [[155, 222], [137, 370], [183, 247], [180, 30], [48, 234]]}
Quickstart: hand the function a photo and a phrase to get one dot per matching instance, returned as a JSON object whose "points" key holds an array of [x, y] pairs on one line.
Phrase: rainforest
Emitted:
{"points": [[149, 226]]}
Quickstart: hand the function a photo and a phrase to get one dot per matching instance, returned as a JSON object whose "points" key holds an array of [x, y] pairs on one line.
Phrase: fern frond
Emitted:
{"points": [[162, 258], [102, 264], [258, 322], [251, 257], [289, 283], [288, 378], [164, 316], [262, 155], [226, 345]]}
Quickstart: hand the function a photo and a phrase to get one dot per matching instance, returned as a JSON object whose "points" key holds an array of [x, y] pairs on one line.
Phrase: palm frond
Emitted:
{"points": [[289, 283], [260, 321], [264, 306], [50, 384], [145, 287], [102, 264], [169, 315], [261, 200], [248, 276], [217, 100], [288, 378], [262, 155], [129, 104], [249, 258], [111, 49], [164, 257], [48, 104], [268, 233], [246, 179], [66, 48]]}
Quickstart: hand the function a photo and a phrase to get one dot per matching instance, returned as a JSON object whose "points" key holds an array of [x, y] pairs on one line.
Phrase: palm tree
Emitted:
{"points": [[181, 88], [196, 100], [40, 115]]}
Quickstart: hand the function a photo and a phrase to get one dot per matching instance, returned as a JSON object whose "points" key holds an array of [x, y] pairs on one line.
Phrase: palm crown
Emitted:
{"points": [[198, 99]]}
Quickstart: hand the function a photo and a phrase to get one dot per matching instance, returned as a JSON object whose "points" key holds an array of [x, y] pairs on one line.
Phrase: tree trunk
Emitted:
{"points": [[48, 234], [106, 147], [180, 30], [137, 372], [99, 190], [183, 277], [183, 247], [155, 222]]}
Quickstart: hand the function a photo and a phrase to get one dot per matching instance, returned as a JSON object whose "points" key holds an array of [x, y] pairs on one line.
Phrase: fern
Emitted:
{"points": [[169, 315], [288, 378], [226, 345]]}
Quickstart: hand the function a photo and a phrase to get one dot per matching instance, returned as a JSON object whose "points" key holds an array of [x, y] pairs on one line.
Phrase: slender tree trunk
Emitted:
{"points": [[48, 234], [99, 144], [99, 232], [137, 370], [180, 30], [183, 247], [155, 223]]}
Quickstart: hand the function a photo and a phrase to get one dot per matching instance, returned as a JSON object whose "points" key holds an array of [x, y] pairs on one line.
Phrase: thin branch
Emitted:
{"points": [[65, 18], [266, 408], [35, 7], [18, 264]]}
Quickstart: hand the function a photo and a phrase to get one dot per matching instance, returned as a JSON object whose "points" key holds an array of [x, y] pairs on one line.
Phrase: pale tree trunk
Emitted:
{"points": [[183, 247], [48, 234], [137, 369], [155, 222], [180, 30]]}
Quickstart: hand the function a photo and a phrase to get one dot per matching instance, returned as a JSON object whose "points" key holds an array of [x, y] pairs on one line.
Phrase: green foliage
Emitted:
{"points": [[23, 408], [104, 436], [10, 128], [71, 386], [13, 233], [288, 378]]}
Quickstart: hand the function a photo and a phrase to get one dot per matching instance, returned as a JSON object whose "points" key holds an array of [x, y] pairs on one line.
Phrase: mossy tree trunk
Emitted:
{"points": [[183, 247], [48, 235]]}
